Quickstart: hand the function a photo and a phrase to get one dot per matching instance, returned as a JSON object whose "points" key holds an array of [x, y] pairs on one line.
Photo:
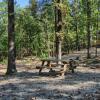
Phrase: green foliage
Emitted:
{"points": [[35, 30], [3, 27]]}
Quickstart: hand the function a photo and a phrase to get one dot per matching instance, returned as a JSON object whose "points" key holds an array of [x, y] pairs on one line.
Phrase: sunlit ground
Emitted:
{"points": [[84, 84]]}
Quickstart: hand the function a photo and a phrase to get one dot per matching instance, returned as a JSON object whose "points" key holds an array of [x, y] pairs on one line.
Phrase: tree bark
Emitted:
{"points": [[96, 51], [77, 38], [75, 9], [11, 69], [58, 29], [88, 29]]}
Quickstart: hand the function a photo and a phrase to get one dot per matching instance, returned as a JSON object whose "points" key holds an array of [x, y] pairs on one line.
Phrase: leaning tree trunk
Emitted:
{"points": [[88, 28], [58, 29], [11, 69]]}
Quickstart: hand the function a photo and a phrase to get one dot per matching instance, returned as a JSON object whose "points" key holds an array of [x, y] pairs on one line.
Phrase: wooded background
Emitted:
{"points": [[35, 27]]}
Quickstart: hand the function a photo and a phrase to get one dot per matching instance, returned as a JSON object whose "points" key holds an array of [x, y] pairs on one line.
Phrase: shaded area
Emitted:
{"points": [[28, 85]]}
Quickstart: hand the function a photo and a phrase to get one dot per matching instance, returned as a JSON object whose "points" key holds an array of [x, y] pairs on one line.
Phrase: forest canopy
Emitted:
{"points": [[35, 26]]}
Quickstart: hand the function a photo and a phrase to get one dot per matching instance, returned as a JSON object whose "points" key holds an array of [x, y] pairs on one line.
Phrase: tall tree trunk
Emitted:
{"points": [[77, 38], [11, 69], [58, 29], [88, 28], [96, 37], [97, 26], [47, 38], [75, 9]]}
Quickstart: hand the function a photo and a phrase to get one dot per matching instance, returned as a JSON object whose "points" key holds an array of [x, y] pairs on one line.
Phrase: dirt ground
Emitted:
{"points": [[84, 84]]}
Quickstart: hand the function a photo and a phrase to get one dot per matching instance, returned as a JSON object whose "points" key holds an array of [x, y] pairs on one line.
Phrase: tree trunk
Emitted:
{"points": [[47, 38], [96, 51], [76, 9], [58, 29], [96, 47], [88, 28], [11, 69], [77, 38]]}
